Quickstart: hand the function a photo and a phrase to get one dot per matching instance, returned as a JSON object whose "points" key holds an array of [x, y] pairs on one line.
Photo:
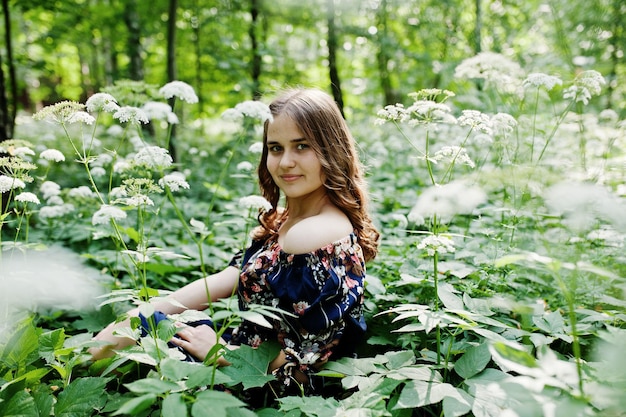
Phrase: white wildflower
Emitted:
{"points": [[131, 114], [540, 80], [121, 166], [446, 201], [55, 200], [255, 202], [50, 212], [137, 200], [81, 117], [476, 120], [10, 183], [98, 172], [49, 189], [174, 181], [437, 244], [180, 90], [101, 160], [52, 155], [490, 66], [22, 151], [82, 192], [255, 110], [27, 197], [106, 213], [245, 166], [503, 124], [102, 102], [232, 115], [586, 84], [256, 147], [453, 155], [153, 157], [117, 192], [160, 111], [60, 112], [608, 115], [392, 112]]}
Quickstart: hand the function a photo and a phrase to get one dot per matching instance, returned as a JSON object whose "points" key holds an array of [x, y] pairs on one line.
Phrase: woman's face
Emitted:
{"points": [[292, 163]]}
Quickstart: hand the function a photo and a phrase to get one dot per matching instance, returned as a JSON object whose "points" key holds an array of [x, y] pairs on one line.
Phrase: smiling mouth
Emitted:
{"points": [[290, 178]]}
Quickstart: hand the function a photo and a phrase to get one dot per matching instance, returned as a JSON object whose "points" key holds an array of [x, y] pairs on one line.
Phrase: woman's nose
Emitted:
{"points": [[287, 160]]}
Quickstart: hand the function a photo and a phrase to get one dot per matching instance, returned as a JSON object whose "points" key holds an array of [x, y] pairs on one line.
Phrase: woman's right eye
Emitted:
{"points": [[274, 148]]}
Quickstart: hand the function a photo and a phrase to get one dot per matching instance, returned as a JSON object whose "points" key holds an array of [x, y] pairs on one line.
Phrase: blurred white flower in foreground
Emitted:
{"points": [[446, 201]]}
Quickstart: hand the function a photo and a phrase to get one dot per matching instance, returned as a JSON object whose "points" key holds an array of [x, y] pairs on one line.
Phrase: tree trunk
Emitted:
{"points": [[171, 66], [195, 27], [131, 19], [335, 81], [9, 105], [382, 56], [255, 67], [478, 27]]}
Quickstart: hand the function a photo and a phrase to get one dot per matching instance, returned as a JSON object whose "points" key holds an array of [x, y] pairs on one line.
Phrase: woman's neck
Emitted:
{"points": [[307, 206]]}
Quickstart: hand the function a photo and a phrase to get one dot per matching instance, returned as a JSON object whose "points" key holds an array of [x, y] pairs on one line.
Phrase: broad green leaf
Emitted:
{"points": [[81, 397], [249, 366], [21, 349], [473, 361], [417, 372], [313, 406], [152, 386], [49, 342], [515, 359], [457, 405], [214, 404], [136, 405], [417, 394], [400, 359], [174, 406], [166, 330], [551, 323], [448, 298], [21, 404]]}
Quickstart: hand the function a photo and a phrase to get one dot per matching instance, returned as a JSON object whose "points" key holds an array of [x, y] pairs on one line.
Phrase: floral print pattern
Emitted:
{"points": [[322, 288]]}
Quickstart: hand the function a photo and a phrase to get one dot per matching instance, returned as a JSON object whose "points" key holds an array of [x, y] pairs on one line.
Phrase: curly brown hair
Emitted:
{"points": [[318, 118]]}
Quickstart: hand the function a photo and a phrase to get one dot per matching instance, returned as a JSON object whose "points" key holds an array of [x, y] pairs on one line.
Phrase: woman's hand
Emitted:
{"points": [[198, 341]]}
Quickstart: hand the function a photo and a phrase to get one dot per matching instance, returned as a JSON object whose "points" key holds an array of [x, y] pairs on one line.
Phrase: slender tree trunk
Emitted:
{"points": [[478, 27], [131, 18], [171, 65], [9, 105], [4, 108], [255, 67], [382, 56], [195, 26], [618, 32], [335, 81]]}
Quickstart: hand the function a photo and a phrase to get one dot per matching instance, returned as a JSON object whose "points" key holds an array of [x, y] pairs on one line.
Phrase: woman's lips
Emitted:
{"points": [[290, 178]]}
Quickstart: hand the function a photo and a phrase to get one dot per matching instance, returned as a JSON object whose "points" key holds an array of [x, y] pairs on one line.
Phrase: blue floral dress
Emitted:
{"points": [[322, 288]]}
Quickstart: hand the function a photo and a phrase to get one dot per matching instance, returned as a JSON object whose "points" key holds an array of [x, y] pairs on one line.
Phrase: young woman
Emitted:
{"points": [[307, 258]]}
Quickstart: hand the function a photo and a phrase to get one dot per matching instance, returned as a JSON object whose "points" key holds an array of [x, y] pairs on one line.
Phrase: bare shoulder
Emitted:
{"points": [[317, 231]]}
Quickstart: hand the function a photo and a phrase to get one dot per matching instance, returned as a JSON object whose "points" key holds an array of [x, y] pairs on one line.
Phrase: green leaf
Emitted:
{"points": [[21, 404], [152, 385], [249, 366], [418, 394], [511, 358], [136, 405], [49, 342], [214, 404], [313, 406], [174, 406], [550, 323], [81, 397], [473, 361]]}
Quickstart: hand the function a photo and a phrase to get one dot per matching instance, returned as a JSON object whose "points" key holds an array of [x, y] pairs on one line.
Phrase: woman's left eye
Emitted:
{"points": [[302, 146]]}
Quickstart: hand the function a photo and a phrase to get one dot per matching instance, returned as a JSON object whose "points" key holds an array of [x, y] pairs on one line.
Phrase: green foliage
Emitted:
{"points": [[498, 288]]}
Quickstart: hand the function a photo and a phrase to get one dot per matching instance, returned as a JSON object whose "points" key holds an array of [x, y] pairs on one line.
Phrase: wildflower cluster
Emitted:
{"points": [[252, 109], [439, 244], [586, 85]]}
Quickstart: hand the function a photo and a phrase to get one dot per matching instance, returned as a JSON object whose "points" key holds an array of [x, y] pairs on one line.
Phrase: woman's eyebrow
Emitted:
{"points": [[297, 140]]}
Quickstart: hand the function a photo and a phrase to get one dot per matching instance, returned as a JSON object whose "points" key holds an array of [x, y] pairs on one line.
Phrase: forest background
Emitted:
{"points": [[498, 187]]}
